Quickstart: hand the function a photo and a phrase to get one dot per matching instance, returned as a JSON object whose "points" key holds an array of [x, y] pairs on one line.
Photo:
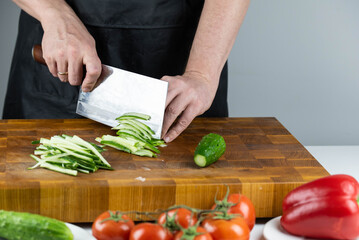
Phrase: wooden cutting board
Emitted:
{"points": [[262, 160]]}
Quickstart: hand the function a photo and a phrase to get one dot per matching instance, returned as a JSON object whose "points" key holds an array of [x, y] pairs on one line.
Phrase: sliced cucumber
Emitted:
{"points": [[89, 146], [69, 155], [137, 127], [127, 143], [129, 132], [58, 169], [142, 126], [134, 115], [145, 153], [133, 136], [115, 145]]}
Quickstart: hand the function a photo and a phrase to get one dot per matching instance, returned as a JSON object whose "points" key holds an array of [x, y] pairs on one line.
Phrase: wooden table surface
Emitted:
{"points": [[262, 160]]}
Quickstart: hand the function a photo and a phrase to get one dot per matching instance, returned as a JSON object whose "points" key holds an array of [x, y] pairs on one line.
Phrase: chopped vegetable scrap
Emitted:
{"points": [[69, 155], [133, 136]]}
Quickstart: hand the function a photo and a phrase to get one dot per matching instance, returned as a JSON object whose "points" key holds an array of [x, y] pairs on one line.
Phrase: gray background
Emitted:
{"points": [[295, 60]]}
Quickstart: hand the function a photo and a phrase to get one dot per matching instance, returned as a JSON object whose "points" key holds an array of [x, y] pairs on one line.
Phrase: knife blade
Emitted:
{"points": [[117, 92]]}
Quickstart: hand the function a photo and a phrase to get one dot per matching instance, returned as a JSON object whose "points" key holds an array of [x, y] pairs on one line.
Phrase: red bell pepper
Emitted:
{"points": [[324, 208]]}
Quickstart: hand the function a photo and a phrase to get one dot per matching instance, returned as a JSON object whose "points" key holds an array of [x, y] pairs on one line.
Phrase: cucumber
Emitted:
{"points": [[133, 136], [27, 226], [68, 155], [134, 115], [209, 150]]}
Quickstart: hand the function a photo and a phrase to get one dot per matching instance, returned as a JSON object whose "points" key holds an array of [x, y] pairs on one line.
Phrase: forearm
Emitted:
{"points": [[46, 11], [215, 36]]}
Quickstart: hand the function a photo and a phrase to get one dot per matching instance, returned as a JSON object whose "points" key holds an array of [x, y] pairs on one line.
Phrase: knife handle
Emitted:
{"points": [[37, 54]]}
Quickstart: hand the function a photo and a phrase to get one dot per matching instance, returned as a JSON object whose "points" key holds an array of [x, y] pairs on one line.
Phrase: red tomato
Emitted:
{"points": [[178, 216], [244, 207], [204, 236], [234, 229], [147, 231], [112, 226]]}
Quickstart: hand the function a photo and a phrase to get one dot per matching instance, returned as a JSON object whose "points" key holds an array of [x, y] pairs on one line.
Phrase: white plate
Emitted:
{"points": [[79, 233], [274, 231]]}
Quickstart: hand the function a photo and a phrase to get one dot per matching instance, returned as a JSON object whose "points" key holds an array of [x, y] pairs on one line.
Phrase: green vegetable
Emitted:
{"points": [[133, 136], [69, 155], [209, 150], [27, 226], [133, 115]]}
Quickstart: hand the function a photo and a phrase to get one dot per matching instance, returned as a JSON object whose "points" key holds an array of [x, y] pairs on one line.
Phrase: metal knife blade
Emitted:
{"points": [[118, 92]]}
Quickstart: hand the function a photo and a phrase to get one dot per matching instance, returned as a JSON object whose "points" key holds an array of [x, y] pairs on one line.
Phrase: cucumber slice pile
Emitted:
{"points": [[133, 136], [69, 155]]}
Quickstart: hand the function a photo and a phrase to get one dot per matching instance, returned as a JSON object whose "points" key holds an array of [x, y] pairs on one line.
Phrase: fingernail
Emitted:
{"points": [[167, 139], [86, 89]]}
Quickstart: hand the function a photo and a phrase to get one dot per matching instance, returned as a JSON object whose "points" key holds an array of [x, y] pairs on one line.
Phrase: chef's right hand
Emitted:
{"points": [[68, 46]]}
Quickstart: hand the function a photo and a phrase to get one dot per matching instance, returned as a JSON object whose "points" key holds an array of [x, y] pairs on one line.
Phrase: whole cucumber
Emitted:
{"points": [[27, 226], [209, 150]]}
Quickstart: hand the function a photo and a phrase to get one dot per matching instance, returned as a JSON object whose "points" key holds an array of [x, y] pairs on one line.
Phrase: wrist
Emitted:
{"points": [[52, 16], [210, 81], [206, 68], [204, 75]]}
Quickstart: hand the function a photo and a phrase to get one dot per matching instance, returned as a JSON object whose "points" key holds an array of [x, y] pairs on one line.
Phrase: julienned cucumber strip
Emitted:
{"points": [[128, 125], [145, 153], [158, 142], [133, 136], [145, 143], [113, 145], [89, 146], [129, 132], [139, 125], [69, 155], [58, 169], [131, 145], [133, 115]]}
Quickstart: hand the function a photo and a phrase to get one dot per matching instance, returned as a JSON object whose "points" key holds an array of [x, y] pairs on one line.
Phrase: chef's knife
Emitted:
{"points": [[117, 92]]}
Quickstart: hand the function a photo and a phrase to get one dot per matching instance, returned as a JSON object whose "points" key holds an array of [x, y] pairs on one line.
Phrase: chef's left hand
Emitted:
{"points": [[188, 96]]}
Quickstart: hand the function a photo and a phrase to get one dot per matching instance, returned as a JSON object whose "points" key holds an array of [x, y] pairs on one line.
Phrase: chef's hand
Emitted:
{"points": [[68, 46], [188, 96]]}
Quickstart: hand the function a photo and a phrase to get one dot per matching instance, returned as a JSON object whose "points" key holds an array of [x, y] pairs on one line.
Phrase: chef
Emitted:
{"points": [[183, 42]]}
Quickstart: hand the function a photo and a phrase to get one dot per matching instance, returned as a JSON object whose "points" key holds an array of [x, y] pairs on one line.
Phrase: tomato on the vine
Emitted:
{"points": [[112, 226], [199, 233], [146, 231], [232, 229], [176, 218], [238, 204]]}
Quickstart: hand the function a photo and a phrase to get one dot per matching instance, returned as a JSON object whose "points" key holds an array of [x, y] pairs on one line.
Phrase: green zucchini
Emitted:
{"points": [[209, 150], [27, 226]]}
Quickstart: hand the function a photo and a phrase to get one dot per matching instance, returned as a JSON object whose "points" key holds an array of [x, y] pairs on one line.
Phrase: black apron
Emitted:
{"points": [[150, 37]]}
